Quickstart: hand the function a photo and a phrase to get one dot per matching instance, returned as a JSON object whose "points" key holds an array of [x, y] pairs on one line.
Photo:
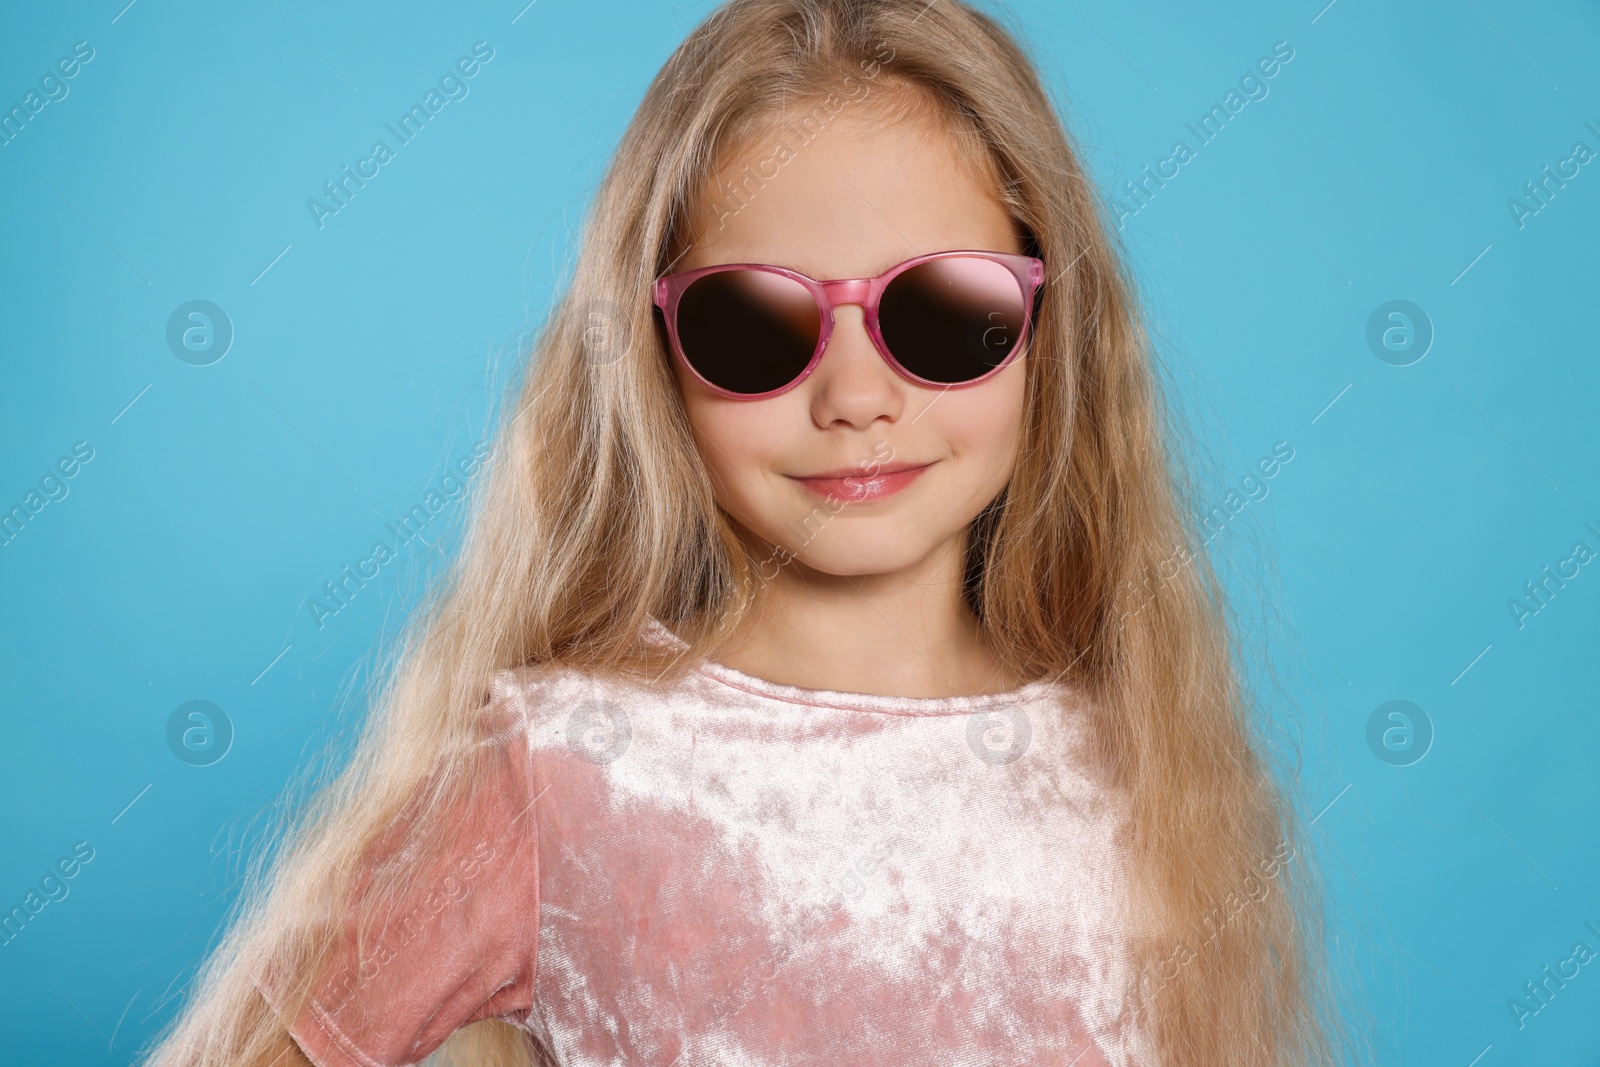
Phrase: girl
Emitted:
{"points": [[824, 679]]}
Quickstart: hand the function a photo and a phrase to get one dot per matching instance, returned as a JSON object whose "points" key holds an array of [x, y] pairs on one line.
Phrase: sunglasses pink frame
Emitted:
{"points": [[866, 292]]}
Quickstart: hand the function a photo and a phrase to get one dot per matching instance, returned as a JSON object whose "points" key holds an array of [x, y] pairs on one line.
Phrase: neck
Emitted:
{"points": [[907, 633]]}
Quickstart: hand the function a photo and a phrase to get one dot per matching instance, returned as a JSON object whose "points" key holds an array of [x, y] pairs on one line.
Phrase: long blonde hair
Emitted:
{"points": [[596, 513]]}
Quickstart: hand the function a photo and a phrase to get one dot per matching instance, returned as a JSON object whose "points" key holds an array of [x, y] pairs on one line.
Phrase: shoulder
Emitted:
{"points": [[532, 694], [516, 697], [1058, 706], [436, 922]]}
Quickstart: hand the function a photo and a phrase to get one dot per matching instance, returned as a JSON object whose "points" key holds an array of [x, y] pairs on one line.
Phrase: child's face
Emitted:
{"points": [[851, 203]]}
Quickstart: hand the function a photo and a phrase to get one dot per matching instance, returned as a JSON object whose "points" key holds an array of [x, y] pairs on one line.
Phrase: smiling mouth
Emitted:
{"points": [[856, 487]]}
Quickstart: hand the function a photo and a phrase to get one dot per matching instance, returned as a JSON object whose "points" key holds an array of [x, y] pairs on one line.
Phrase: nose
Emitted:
{"points": [[853, 385]]}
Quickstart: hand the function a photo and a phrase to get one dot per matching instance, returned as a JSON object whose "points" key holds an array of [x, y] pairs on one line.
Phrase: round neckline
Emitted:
{"points": [[845, 700]]}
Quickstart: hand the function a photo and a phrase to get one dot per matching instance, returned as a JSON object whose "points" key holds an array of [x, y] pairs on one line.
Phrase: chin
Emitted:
{"points": [[855, 553]]}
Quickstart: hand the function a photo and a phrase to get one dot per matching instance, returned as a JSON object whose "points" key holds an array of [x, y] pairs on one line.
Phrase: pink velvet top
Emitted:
{"points": [[739, 872]]}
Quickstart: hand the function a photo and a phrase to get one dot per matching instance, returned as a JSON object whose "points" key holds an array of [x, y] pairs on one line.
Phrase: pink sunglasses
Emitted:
{"points": [[946, 319]]}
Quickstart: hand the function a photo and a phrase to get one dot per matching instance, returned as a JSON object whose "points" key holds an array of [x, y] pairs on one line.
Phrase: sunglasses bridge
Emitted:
{"points": [[847, 291]]}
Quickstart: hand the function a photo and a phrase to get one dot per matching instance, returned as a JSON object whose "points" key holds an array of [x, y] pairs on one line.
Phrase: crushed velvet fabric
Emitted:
{"points": [[739, 872]]}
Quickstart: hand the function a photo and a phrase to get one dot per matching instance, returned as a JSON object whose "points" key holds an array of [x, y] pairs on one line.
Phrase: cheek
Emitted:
{"points": [[982, 425], [735, 439]]}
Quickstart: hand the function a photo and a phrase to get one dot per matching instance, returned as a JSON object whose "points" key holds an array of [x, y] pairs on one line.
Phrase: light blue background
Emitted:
{"points": [[367, 354]]}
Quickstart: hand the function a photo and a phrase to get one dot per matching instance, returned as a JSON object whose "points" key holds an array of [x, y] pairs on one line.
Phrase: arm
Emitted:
{"points": [[450, 943]]}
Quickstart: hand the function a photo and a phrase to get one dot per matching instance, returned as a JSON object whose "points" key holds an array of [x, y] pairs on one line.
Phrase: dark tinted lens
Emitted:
{"points": [[748, 331], [952, 320]]}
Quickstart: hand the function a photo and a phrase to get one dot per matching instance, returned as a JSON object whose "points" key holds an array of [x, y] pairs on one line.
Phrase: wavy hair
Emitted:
{"points": [[597, 513]]}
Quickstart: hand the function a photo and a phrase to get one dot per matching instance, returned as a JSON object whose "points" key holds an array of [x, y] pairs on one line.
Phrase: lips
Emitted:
{"points": [[855, 485]]}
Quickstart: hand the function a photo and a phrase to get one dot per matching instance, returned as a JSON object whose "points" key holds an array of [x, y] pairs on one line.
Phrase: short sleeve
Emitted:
{"points": [[458, 943]]}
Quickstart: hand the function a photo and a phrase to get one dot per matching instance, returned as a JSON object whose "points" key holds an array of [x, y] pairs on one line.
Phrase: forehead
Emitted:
{"points": [[846, 193]]}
